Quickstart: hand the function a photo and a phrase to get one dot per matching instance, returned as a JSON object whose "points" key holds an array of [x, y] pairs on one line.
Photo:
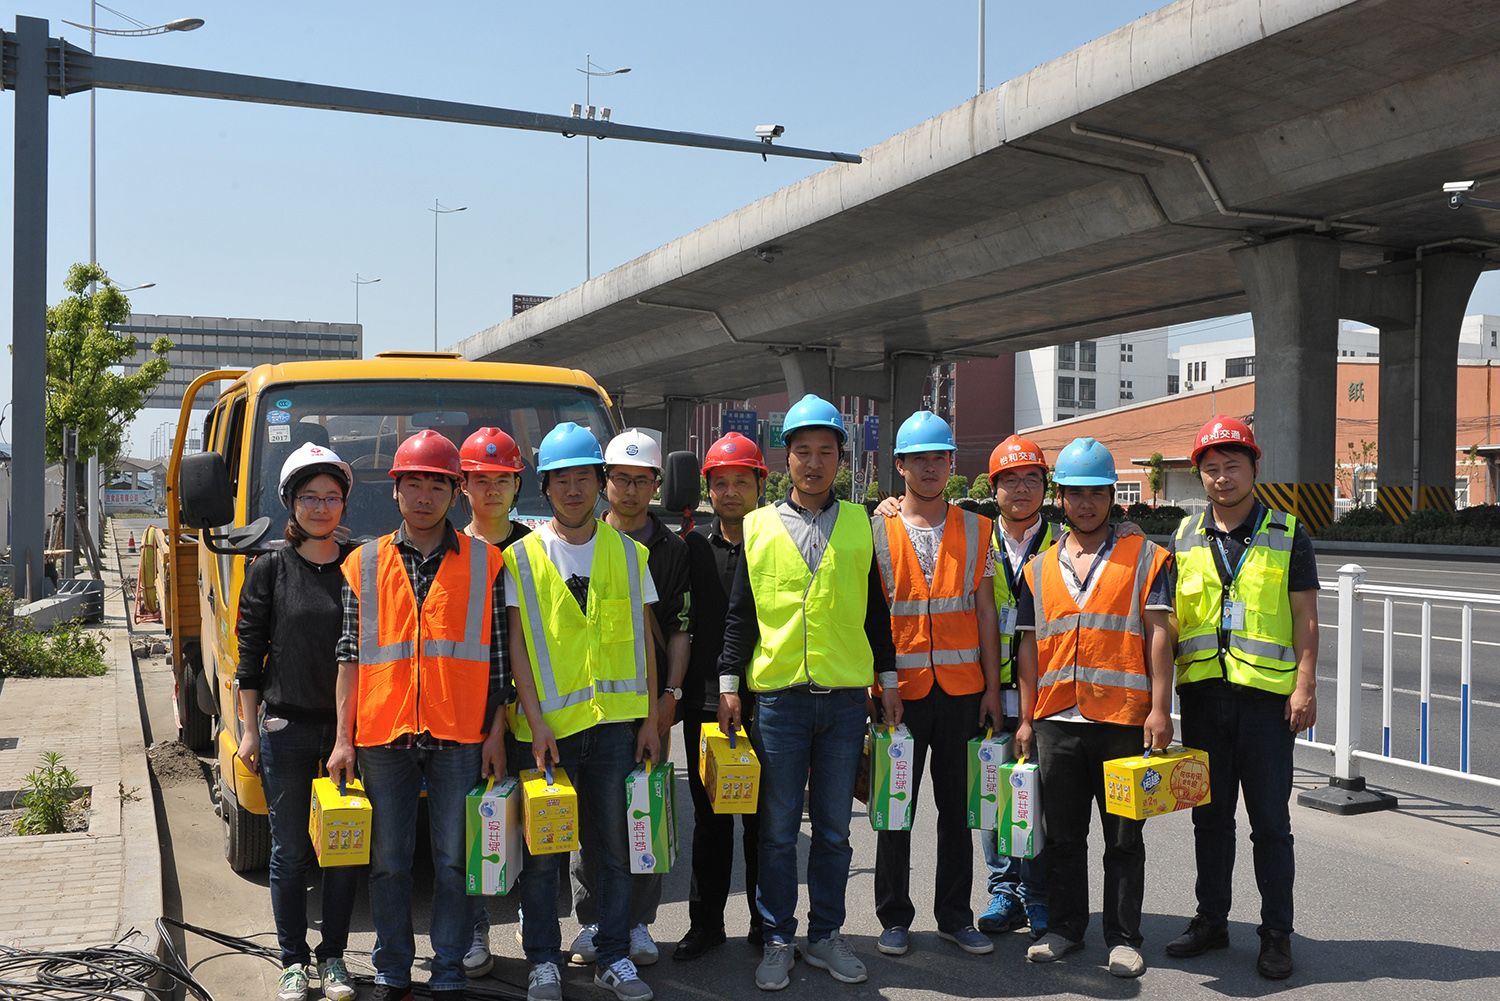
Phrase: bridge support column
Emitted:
{"points": [[807, 372], [1293, 287], [679, 419], [908, 375], [1418, 391]]}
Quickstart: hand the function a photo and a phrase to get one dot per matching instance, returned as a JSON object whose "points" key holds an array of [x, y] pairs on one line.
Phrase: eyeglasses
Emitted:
{"points": [[1032, 482], [634, 482], [310, 501]]}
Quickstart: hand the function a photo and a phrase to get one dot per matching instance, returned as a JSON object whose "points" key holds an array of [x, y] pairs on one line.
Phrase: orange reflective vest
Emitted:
{"points": [[1095, 657], [936, 626], [429, 671]]}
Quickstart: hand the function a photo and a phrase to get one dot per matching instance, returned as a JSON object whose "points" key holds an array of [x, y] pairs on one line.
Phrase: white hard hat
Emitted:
{"points": [[633, 447], [311, 455]]}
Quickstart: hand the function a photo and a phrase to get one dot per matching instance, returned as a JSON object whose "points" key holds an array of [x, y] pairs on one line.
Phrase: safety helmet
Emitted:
{"points": [[813, 412], [924, 431], [427, 452], [1224, 431], [490, 450], [1014, 453], [633, 447], [568, 445], [1084, 463], [308, 461], [734, 449]]}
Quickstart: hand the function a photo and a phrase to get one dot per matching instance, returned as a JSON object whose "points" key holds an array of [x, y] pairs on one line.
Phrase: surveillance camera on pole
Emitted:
{"points": [[768, 132], [1459, 196]]}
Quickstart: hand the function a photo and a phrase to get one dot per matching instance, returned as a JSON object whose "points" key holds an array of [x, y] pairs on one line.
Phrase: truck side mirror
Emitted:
{"points": [[680, 487], [205, 497]]}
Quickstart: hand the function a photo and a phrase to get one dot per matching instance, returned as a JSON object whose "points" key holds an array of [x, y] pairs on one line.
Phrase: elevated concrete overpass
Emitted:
{"points": [[1280, 156]]}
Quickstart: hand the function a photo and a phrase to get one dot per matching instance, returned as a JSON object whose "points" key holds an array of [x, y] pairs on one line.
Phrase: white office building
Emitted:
{"points": [[1083, 377]]}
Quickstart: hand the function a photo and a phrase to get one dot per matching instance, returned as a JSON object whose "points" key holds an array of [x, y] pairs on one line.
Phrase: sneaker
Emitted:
{"points": [[335, 980], [969, 939], [1200, 936], [834, 955], [622, 978], [1275, 962], [1004, 914], [775, 969], [583, 946], [544, 983], [643, 951], [478, 961], [1036, 917], [1051, 948], [385, 992], [293, 984], [894, 941], [1125, 961]]}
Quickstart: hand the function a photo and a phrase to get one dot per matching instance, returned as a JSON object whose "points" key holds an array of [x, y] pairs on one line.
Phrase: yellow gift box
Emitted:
{"points": [[339, 823], [729, 770], [1156, 782], [549, 807]]}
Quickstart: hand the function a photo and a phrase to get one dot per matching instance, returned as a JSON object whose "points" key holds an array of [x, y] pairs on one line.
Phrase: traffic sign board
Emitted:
{"points": [[872, 433], [746, 422], [773, 433]]}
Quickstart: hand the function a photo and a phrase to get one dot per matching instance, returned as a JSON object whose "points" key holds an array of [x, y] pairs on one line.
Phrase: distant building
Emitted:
{"points": [[1079, 378]]}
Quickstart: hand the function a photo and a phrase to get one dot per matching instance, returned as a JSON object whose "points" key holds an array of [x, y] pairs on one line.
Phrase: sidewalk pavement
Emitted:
{"points": [[88, 888]]}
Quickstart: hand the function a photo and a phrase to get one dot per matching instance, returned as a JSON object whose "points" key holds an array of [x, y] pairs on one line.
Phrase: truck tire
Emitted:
{"points": [[247, 836], [197, 726]]}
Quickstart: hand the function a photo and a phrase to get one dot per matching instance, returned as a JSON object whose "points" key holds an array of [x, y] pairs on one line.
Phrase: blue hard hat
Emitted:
{"points": [[568, 445], [813, 412], [924, 431], [1084, 463]]}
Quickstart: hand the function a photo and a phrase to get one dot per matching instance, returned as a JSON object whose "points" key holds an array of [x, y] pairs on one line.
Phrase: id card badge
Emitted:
{"points": [[1008, 616], [1010, 702], [1234, 616]]}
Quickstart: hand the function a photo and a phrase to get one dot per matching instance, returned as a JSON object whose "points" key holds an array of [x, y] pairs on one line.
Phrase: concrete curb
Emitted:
{"points": [[1406, 550]]}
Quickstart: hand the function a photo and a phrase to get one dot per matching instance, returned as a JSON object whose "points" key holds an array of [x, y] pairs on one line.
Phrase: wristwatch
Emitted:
{"points": [[676, 693]]}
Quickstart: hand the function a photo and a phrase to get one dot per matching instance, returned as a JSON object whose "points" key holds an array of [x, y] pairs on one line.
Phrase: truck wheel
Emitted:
{"points": [[197, 730], [247, 836]]}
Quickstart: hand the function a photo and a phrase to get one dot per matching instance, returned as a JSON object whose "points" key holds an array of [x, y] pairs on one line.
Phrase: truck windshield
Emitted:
{"points": [[365, 422]]}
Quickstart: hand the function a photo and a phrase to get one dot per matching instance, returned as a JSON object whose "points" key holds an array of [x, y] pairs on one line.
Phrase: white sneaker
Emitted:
{"points": [[643, 951], [583, 946], [478, 961], [623, 978], [544, 983], [1125, 961]]}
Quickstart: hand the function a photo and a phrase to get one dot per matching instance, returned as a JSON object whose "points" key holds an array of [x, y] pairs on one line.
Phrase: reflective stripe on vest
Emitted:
{"points": [[1047, 537], [1261, 655], [1095, 659], [933, 623]]}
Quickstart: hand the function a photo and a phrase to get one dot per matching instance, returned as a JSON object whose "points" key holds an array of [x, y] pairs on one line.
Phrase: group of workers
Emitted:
{"points": [[438, 657]]}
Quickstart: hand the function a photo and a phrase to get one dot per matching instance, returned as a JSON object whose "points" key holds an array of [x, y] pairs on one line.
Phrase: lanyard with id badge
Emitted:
{"points": [[1232, 618], [1008, 616]]}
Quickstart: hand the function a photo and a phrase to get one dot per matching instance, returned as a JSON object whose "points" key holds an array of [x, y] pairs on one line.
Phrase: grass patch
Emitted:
{"points": [[66, 651]]}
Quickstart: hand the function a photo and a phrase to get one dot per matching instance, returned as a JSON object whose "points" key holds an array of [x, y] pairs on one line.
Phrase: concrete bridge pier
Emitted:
{"points": [[1293, 287], [908, 380]]}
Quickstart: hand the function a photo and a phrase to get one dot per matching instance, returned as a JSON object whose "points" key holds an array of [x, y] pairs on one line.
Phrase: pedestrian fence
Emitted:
{"points": [[1347, 751]]}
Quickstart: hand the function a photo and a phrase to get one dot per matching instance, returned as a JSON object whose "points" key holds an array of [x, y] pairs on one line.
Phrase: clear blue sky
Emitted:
{"points": [[240, 210]]}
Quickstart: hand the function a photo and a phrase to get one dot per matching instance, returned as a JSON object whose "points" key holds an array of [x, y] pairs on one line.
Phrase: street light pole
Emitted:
{"points": [[589, 72], [981, 46], [437, 210], [371, 281]]}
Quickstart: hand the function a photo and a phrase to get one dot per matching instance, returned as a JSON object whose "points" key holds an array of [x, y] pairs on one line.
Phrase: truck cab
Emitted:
{"points": [[223, 506]]}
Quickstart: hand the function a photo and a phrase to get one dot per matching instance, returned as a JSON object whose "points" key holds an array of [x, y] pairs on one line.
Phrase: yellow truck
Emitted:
{"points": [[223, 506]]}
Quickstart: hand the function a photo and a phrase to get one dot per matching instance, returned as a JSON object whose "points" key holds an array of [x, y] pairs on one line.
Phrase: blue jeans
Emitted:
{"points": [[1023, 879], [794, 731], [289, 761], [393, 780], [1249, 748], [597, 761]]}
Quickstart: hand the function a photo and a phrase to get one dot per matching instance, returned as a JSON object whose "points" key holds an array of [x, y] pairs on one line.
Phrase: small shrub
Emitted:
{"points": [[981, 488], [1483, 517], [1051, 513], [1138, 510], [66, 651], [1364, 517], [958, 486], [1428, 521], [49, 789]]}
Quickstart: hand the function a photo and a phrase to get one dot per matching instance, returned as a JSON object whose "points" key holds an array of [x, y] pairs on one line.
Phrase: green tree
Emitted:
{"points": [[957, 487], [842, 481], [872, 492], [981, 489], [86, 388], [1156, 477], [777, 486]]}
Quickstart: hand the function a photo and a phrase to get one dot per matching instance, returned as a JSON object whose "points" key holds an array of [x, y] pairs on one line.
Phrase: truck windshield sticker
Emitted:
{"points": [[278, 433], [278, 417], [284, 403]]}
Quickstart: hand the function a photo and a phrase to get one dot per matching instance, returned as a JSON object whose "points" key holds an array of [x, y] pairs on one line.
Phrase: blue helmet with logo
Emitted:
{"points": [[813, 412], [568, 445], [924, 431], [1084, 463]]}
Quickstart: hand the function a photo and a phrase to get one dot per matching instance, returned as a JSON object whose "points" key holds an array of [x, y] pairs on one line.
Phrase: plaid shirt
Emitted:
{"points": [[421, 572]]}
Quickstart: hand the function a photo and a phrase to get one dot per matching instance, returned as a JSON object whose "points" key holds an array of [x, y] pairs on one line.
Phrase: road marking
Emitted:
{"points": [[1366, 686], [1415, 636]]}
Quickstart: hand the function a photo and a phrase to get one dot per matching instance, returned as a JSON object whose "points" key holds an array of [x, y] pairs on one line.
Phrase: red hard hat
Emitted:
{"points": [[490, 450], [1015, 452], [427, 452], [1224, 431], [734, 449]]}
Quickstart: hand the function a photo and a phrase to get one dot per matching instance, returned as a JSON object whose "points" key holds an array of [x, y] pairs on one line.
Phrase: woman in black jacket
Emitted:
{"points": [[290, 619]]}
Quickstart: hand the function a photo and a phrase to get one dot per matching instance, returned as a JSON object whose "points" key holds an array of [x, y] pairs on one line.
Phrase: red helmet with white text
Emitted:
{"points": [[1224, 431]]}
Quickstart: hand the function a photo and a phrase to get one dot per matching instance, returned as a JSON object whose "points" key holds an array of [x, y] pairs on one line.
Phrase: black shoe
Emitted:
{"points": [[757, 938], [385, 992], [1201, 936], [696, 942], [1275, 962], [450, 994]]}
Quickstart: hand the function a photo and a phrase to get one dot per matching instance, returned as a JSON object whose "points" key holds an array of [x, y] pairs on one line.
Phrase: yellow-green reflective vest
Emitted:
{"points": [[1260, 655], [1044, 539], [812, 626], [588, 668]]}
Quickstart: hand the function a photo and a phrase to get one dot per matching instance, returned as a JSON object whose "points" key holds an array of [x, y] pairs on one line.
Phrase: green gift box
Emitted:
{"points": [[892, 751], [492, 827], [651, 813], [1019, 829], [987, 755]]}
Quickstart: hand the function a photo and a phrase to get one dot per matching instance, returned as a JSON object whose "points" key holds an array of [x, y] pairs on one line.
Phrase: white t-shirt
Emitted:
{"points": [[574, 563]]}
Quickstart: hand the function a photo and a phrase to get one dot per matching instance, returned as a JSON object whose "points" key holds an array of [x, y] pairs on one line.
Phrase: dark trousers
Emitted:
{"points": [[713, 842], [1249, 748], [1071, 757], [942, 723]]}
